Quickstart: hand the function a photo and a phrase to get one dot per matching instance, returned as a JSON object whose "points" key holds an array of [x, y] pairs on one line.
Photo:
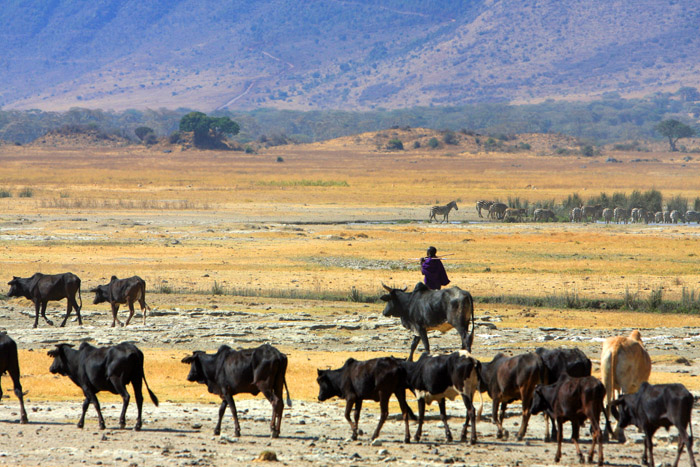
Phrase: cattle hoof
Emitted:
{"points": [[24, 420], [472, 441], [449, 439], [50, 323], [581, 460], [122, 425], [237, 433], [407, 440], [416, 439], [137, 427], [102, 426], [217, 432], [80, 425], [557, 459], [275, 434]]}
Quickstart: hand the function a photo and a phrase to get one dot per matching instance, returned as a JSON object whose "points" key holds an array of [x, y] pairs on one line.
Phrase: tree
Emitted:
{"points": [[208, 131], [395, 143], [674, 130], [142, 131]]}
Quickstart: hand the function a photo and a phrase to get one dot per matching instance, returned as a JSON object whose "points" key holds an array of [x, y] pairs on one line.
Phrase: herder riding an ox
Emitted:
{"points": [[624, 366], [42, 288], [247, 371], [128, 291], [425, 310], [437, 377], [654, 406]]}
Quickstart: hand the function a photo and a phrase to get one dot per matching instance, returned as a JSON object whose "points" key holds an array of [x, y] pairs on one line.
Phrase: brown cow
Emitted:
{"points": [[624, 366], [128, 291]]}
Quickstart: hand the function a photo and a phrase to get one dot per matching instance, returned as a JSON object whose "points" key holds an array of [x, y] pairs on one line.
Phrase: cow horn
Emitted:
{"points": [[389, 289]]}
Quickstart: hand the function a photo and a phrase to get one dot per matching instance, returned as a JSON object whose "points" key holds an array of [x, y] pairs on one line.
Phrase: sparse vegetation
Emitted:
{"points": [[395, 144], [25, 193], [4, 193]]}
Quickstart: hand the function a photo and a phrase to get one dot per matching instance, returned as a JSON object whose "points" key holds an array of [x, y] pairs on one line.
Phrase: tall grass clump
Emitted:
{"points": [[5, 193], [26, 193], [217, 289]]}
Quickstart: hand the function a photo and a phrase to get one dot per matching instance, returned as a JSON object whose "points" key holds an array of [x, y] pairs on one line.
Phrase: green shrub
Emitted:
{"points": [[394, 143], [433, 143], [26, 193], [678, 203], [5, 193], [450, 137]]}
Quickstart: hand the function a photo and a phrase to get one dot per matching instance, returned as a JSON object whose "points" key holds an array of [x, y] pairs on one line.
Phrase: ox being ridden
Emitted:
{"points": [[119, 291], [10, 363], [425, 310], [376, 379], [437, 377], [248, 371], [97, 369], [42, 288], [655, 406]]}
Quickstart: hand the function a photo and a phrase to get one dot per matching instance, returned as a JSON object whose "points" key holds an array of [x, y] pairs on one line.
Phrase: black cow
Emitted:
{"points": [[434, 378], [575, 400], [562, 361], [42, 288], [250, 371], [508, 379], [376, 379], [119, 291], [425, 310], [655, 406], [97, 369], [10, 363]]}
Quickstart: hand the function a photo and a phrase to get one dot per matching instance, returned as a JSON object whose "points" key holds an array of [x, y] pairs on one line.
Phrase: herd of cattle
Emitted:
{"points": [[556, 382]]}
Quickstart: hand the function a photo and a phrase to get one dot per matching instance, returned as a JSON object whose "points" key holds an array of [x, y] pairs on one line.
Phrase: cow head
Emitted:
{"points": [[196, 373], [60, 364], [621, 409], [101, 294], [539, 401], [16, 287], [393, 305], [327, 386]]}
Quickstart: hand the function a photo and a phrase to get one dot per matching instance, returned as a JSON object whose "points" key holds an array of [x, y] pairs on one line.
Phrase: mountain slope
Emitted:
{"points": [[357, 54]]}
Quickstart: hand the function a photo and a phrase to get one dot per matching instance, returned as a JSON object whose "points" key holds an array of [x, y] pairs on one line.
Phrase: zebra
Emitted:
{"points": [[667, 217], [692, 216], [620, 215], [443, 211], [575, 215], [607, 215], [676, 216], [483, 204], [659, 217], [515, 214], [543, 215], [497, 211], [591, 211], [636, 215]]}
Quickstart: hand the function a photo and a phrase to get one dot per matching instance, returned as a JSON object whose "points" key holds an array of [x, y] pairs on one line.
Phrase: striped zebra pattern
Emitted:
{"points": [[483, 204], [443, 211]]}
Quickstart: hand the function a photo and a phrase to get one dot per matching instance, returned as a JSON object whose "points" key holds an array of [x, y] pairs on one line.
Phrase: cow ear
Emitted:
{"points": [[113, 278], [319, 371], [52, 353], [188, 359], [385, 297]]}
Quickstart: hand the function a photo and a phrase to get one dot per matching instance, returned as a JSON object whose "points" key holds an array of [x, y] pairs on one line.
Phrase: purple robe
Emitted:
{"points": [[434, 272]]}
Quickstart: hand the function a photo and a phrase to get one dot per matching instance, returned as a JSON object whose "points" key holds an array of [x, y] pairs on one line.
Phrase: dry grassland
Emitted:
{"points": [[190, 220]]}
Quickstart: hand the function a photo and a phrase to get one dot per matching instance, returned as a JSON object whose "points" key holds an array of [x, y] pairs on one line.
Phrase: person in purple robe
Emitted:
{"points": [[433, 270]]}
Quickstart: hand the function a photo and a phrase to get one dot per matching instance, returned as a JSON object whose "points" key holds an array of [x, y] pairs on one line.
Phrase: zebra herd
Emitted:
{"points": [[496, 210]]}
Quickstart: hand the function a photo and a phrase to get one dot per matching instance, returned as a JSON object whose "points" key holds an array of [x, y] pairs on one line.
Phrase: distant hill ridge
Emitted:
{"points": [[354, 54]]}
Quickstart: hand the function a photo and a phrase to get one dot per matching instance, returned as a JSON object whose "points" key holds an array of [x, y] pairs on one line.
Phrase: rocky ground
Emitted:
{"points": [[313, 433]]}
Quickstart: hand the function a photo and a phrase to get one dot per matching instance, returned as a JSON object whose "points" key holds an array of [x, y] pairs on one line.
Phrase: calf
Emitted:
{"points": [[119, 291], [97, 369], [507, 379], [42, 288], [575, 400], [434, 378], [248, 371], [10, 363], [376, 379], [624, 366], [560, 362], [654, 406]]}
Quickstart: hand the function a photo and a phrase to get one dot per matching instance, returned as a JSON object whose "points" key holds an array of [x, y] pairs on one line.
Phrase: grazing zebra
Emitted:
{"points": [[692, 216], [667, 217], [575, 215], [636, 215], [607, 215], [497, 211], [591, 211], [443, 211], [659, 217], [543, 215], [515, 214], [483, 204], [620, 215], [675, 217]]}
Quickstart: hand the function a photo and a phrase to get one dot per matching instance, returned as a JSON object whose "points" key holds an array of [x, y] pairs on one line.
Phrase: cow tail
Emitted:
{"points": [[289, 399], [80, 296], [471, 335], [150, 393]]}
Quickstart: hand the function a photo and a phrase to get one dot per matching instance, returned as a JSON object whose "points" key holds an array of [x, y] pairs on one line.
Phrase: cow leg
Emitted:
{"points": [[547, 437], [353, 425], [406, 413], [277, 409], [498, 420], [36, 318], [138, 394], [560, 437], [86, 404], [131, 312], [527, 402], [69, 308], [574, 438], [121, 390], [421, 416], [234, 412], [115, 319], [43, 314], [470, 418], [142, 302], [414, 344], [443, 417], [222, 411], [14, 374], [650, 446], [383, 412], [689, 445]]}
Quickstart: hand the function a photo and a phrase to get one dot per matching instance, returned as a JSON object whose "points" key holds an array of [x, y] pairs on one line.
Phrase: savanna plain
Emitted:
{"points": [[291, 247]]}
